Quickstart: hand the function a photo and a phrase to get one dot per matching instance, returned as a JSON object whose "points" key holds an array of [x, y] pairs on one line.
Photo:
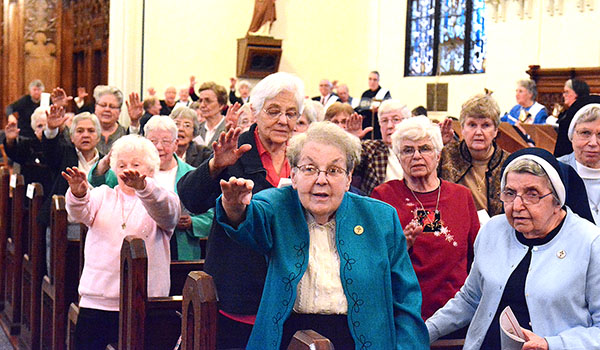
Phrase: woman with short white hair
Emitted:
{"points": [[438, 217], [137, 206], [313, 111]]}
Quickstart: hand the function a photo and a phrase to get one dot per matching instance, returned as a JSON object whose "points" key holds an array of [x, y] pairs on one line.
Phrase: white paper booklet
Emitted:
{"points": [[511, 334]]}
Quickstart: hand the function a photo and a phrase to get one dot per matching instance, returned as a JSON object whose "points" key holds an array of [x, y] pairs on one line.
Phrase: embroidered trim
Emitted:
{"points": [[288, 287], [356, 302]]}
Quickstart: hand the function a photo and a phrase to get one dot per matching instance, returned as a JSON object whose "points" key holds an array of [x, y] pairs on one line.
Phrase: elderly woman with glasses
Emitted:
{"points": [[439, 218], [187, 128], [539, 258], [338, 262], [584, 133], [258, 155]]}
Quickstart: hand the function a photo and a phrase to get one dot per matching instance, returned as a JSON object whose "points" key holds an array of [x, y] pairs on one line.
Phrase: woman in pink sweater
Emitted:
{"points": [[137, 206]]}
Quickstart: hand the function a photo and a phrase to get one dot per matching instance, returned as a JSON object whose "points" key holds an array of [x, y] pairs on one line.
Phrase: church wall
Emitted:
{"points": [[343, 40]]}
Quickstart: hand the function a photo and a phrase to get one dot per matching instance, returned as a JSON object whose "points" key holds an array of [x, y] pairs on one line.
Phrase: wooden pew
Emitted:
{"points": [[33, 269], [199, 312], [544, 136], [144, 323], [73, 313], [14, 256], [5, 207], [60, 288], [309, 340]]}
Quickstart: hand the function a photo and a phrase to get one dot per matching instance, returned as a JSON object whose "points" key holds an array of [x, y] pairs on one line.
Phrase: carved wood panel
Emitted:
{"points": [[40, 36]]}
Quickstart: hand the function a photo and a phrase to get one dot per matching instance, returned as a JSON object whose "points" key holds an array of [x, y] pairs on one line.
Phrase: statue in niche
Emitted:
{"points": [[263, 17], [40, 59]]}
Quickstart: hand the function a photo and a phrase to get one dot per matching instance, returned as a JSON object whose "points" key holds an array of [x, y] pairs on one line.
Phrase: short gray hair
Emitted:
{"points": [[102, 90], [313, 110], [86, 116], [417, 128], [393, 105], [37, 83], [244, 83], [530, 86], [591, 115], [529, 166], [37, 113], [325, 133], [161, 122], [186, 113], [138, 145], [272, 85]]}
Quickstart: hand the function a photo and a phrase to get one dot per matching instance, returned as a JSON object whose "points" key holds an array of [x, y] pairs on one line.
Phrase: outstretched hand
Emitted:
{"points": [[55, 118], [11, 131], [411, 232], [237, 194], [226, 151], [232, 116], [77, 181], [447, 131], [59, 97], [354, 126], [232, 82], [135, 108], [133, 179]]}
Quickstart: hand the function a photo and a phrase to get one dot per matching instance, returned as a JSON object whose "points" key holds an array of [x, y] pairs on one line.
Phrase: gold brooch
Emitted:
{"points": [[359, 230]]}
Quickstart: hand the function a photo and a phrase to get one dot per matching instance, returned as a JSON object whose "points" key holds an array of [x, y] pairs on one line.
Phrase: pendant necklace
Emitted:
{"points": [[123, 218], [434, 225]]}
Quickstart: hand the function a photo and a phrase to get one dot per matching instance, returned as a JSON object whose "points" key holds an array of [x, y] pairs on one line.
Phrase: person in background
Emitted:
{"points": [[420, 110], [326, 97], [187, 127], [184, 98], [369, 103], [258, 155], [438, 217], [25, 106], [168, 104], [137, 206], [337, 261], [339, 114], [344, 96], [539, 258], [527, 110], [476, 161], [212, 99], [245, 118], [151, 107], [378, 162], [244, 88], [310, 114]]}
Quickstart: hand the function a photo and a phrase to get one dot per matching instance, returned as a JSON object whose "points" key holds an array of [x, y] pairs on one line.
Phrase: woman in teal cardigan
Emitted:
{"points": [[338, 262], [162, 131]]}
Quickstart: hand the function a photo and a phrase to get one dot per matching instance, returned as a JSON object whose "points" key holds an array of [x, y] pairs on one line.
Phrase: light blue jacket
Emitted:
{"points": [[563, 294], [384, 299]]}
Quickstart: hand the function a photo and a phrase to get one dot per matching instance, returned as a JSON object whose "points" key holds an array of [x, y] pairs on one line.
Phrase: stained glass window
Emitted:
{"points": [[445, 37]]}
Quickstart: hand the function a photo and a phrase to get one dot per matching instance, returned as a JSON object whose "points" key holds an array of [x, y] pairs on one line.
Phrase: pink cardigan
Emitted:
{"points": [[150, 214]]}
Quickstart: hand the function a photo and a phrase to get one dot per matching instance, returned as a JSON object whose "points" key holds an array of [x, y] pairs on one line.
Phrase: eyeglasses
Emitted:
{"points": [[276, 114], [164, 142], [587, 135], [425, 150], [106, 105], [394, 120], [332, 172], [185, 125], [528, 198]]}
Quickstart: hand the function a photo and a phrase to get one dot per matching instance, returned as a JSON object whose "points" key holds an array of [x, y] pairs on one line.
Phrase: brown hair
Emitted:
{"points": [[337, 108], [217, 89]]}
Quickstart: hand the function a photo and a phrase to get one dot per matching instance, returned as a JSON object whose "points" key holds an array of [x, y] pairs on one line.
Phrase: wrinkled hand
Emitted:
{"points": [[237, 194], [59, 97], [55, 118], [77, 181], [192, 81], [151, 91], [11, 130], [226, 151], [354, 126], [411, 232], [185, 222], [447, 131], [233, 81], [103, 164], [534, 341], [81, 93], [133, 179], [135, 108], [232, 116]]}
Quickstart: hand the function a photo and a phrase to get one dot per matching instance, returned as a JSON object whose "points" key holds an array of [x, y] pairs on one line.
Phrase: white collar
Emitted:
{"points": [[586, 172]]}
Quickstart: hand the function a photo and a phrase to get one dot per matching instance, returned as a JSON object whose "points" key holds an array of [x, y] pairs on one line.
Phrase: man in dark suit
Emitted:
{"points": [[243, 87], [327, 97]]}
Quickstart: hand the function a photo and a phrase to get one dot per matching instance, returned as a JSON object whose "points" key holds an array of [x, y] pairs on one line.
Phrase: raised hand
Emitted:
{"points": [[133, 179], [232, 116], [81, 93], [354, 126], [447, 131], [103, 164], [11, 130], [135, 108], [226, 151], [237, 194], [411, 232], [151, 91], [192, 81], [55, 118], [233, 81], [59, 97], [77, 181]]}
